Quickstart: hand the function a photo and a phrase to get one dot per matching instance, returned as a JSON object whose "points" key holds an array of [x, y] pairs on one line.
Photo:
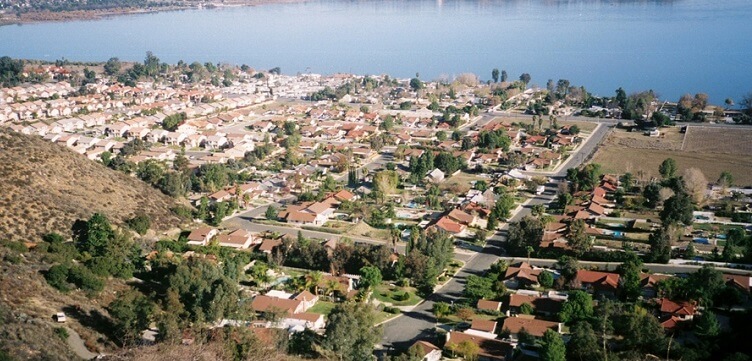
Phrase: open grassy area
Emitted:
{"points": [[390, 294], [322, 307], [625, 152]]}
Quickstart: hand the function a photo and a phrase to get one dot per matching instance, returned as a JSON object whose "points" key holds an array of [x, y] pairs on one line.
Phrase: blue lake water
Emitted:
{"points": [[672, 46]]}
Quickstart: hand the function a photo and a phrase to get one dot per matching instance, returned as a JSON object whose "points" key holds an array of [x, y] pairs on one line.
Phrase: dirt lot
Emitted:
{"points": [[633, 152], [719, 140]]}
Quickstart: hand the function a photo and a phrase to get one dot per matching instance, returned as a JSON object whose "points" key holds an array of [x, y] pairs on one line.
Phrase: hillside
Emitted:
{"points": [[47, 187]]}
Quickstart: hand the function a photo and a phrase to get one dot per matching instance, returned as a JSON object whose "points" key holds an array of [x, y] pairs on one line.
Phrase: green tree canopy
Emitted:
{"points": [[553, 348], [370, 277], [578, 307], [131, 312], [583, 344], [350, 332], [668, 168]]}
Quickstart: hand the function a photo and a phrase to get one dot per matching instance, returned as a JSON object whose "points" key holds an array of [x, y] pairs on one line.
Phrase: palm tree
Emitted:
{"points": [[313, 279], [331, 286], [529, 251]]}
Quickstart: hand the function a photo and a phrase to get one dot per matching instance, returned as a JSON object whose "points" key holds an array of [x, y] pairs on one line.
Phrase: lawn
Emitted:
{"points": [[388, 294], [322, 307], [714, 227]]}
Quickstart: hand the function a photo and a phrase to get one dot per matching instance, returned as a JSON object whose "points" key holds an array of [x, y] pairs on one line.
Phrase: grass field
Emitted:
{"points": [[386, 293], [627, 152]]}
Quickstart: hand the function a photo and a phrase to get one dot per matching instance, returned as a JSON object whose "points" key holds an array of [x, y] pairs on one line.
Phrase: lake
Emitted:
{"points": [[673, 47]]}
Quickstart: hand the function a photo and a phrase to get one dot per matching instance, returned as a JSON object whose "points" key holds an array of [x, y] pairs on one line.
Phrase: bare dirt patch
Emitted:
{"points": [[719, 140], [633, 152], [47, 187]]}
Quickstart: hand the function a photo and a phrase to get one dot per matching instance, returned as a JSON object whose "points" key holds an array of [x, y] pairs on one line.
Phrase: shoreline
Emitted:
{"points": [[79, 15]]}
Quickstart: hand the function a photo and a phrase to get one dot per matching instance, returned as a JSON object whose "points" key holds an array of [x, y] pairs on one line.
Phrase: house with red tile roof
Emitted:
{"points": [[682, 310], [533, 326], [541, 305], [482, 328], [598, 282], [488, 305], [448, 225], [521, 276]]}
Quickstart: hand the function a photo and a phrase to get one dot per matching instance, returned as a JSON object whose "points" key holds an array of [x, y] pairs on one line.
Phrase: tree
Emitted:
{"points": [[171, 122], [416, 84], [677, 209], [112, 66], [204, 289], [466, 349], [553, 347], [578, 307], [577, 238], [667, 168], [660, 246], [524, 233], [370, 277], [526, 309], [140, 223], [495, 75], [525, 78], [478, 287], [642, 333], [707, 325], [350, 333], [11, 71], [583, 344], [465, 313], [629, 281], [546, 279], [504, 76], [131, 312], [705, 284], [695, 184], [440, 309], [726, 179], [652, 195], [568, 267], [271, 213]]}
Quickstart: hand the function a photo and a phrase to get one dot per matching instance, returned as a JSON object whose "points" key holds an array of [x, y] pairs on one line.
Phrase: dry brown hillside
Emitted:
{"points": [[46, 187]]}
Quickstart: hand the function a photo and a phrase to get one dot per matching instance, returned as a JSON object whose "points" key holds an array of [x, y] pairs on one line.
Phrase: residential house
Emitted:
{"points": [[240, 239], [598, 282], [648, 283], [268, 245], [682, 310], [521, 276], [489, 349], [482, 328], [202, 236], [545, 306], [462, 217], [533, 326], [488, 305], [448, 225], [427, 350], [435, 176]]}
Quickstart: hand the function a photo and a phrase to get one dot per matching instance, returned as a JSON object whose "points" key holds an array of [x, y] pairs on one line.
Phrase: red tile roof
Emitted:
{"points": [[533, 326]]}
